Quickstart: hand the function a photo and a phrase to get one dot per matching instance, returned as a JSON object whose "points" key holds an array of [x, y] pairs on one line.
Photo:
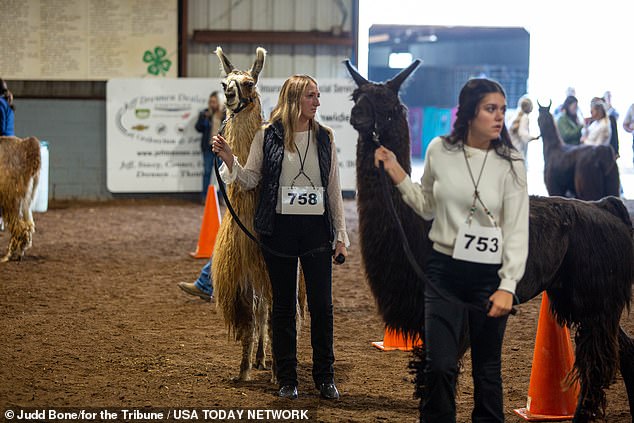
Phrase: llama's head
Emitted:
{"points": [[545, 120], [239, 86], [377, 107]]}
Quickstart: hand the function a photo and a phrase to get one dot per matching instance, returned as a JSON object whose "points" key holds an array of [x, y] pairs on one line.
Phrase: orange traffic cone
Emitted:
{"points": [[393, 340], [209, 227], [548, 399]]}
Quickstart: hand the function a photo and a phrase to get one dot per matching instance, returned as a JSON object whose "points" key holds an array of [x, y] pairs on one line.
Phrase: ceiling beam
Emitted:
{"points": [[274, 37]]}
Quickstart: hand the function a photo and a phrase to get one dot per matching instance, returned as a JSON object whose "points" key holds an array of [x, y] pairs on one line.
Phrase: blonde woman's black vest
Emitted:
{"points": [[272, 168]]}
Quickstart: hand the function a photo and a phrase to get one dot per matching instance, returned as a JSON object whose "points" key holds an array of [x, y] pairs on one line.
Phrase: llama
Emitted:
{"points": [[241, 284], [589, 296], [589, 172], [19, 176]]}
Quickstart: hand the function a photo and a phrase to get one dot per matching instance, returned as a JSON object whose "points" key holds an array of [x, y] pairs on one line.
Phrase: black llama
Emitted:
{"points": [[588, 172], [587, 295]]}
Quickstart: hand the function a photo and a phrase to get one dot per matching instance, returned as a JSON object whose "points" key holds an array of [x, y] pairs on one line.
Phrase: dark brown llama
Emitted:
{"points": [[587, 295], [588, 172]]}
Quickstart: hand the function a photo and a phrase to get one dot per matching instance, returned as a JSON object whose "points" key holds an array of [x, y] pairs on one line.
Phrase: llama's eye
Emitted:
{"points": [[249, 84]]}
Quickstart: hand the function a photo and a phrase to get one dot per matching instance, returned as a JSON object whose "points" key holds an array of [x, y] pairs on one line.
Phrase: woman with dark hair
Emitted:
{"points": [[294, 160], [6, 110], [474, 187], [568, 123]]}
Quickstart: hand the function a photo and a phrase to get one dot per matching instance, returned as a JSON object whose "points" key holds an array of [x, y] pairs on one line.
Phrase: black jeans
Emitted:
{"points": [[444, 323], [296, 234]]}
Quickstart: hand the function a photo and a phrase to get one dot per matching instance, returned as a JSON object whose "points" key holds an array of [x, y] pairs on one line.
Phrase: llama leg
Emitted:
{"points": [[269, 328], [247, 337], [626, 355], [17, 235], [260, 355], [25, 204], [248, 342], [595, 365]]}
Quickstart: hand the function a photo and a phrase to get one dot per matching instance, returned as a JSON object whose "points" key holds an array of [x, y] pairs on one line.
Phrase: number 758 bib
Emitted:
{"points": [[478, 244], [302, 200]]}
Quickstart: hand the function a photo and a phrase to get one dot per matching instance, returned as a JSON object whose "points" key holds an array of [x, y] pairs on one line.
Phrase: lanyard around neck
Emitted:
{"points": [[302, 161], [476, 193]]}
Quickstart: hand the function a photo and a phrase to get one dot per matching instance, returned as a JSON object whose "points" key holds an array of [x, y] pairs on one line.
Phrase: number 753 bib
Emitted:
{"points": [[478, 244]]}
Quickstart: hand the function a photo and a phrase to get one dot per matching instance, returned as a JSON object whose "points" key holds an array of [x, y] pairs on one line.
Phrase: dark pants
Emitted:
{"points": [[208, 166], [295, 234], [444, 324]]}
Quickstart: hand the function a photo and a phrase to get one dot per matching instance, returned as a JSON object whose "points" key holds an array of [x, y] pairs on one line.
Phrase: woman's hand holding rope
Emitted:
{"points": [[222, 149]]}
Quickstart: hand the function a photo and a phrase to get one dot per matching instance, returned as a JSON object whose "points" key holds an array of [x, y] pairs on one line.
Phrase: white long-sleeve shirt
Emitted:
{"points": [[521, 139], [599, 132], [249, 175], [445, 194]]}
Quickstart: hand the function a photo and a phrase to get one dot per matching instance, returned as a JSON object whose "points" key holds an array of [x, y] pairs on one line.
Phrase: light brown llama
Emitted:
{"points": [[19, 176], [241, 282]]}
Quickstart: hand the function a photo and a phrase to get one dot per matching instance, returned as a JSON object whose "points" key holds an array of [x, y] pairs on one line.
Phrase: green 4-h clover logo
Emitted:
{"points": [[157, 60]]}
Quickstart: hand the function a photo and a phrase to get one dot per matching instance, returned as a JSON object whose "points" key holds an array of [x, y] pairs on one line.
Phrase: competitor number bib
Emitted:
{"points": [[478, 244], [302, 200]]}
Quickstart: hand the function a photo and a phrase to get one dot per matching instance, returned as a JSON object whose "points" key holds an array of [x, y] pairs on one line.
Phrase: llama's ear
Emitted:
{"points": [[354, 73], [550, 103], [260, 54], [395, 83], [225, 64]]}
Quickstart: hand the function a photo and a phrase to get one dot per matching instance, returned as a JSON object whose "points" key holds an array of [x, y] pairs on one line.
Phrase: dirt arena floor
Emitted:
{"points": [[92, 317]]}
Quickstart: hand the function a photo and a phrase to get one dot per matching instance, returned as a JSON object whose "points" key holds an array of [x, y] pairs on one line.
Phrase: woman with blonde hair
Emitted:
{"points": [[519, 131], [299, 213], [599, 131]]}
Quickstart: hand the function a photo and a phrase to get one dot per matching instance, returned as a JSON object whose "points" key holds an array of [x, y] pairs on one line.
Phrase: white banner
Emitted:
{"points": [[152, 145]]}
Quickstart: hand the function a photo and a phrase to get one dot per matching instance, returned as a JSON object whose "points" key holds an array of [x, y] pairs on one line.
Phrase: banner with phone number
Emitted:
{"points": [[152, 143]]}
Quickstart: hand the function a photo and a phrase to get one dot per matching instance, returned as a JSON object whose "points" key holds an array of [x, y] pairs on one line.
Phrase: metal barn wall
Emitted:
{"points": [[320, 61]]}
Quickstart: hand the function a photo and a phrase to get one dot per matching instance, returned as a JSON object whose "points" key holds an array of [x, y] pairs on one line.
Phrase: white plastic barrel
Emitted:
{"points": [[40, 201]]}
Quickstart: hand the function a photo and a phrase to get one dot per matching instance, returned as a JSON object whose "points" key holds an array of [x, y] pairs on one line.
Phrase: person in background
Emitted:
{"points": [[6, 120], [473, 185], [559, 110], [628, 123], [519, 130], [292, 158], [599, 131], [607, 97], [208, 124], [613, 116], [568, 124], [6, 110]]}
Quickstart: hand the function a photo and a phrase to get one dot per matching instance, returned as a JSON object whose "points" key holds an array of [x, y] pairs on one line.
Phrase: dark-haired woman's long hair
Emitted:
{"points": [[470, 97]]}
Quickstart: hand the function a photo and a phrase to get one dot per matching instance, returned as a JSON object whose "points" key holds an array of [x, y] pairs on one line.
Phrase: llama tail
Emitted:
{"points": [[626, 357], [616, 207], [606, 160]]}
